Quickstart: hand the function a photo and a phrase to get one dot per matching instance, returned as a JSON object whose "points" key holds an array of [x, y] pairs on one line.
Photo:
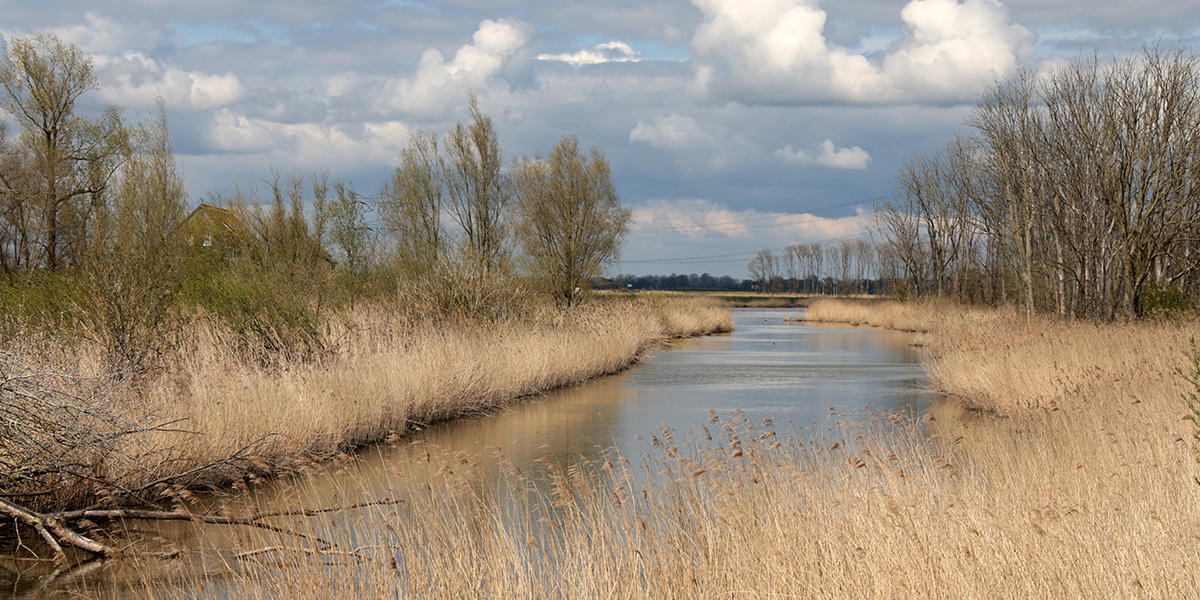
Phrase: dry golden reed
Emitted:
{"points": [[391, 375], [1080, 485], [388, 374]]}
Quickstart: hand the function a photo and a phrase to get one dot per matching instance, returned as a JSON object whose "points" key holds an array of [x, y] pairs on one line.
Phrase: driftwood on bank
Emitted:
{"points": [[55, 530]]}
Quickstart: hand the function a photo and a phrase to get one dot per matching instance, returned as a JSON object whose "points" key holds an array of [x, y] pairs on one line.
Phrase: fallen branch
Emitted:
{"points": [[54, 532], [53, 529], [253, 554]]}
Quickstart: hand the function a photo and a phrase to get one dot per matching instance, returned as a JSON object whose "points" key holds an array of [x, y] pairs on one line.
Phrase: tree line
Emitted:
{"points": [[846, 267], [95, 228], [1074, 192]]}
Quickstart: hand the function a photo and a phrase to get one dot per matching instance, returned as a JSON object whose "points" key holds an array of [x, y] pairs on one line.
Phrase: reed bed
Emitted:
{"points": [[387, 374], [870, 509], [922, 316], [391, 376], [996, 361], [1080, 487]]}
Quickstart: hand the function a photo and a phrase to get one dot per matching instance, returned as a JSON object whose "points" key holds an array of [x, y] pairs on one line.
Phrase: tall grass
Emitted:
{"points": [[921, 316], [996, 361], [1079, 486], [871, 510], [387, 375], [391, 376]]}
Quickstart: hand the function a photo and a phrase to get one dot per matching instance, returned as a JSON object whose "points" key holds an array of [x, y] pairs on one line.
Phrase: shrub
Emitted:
{"points": [[1163, 301]]}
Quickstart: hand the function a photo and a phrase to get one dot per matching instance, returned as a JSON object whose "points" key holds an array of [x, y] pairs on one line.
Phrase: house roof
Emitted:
{"points": [[207, 215]]}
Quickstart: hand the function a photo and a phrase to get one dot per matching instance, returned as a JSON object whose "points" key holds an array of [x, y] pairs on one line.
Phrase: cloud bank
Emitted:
{"points": [[602, 53], [674, 132], [775, 52]]}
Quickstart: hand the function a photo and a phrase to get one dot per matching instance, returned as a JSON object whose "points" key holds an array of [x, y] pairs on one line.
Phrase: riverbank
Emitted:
{"points": [[733, 299], [208, 416], [1074, 445], [389, 379], [1084, 489]]}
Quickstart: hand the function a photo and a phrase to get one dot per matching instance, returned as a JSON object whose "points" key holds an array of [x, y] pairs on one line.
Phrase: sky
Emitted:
{"points": [[731, 125]]}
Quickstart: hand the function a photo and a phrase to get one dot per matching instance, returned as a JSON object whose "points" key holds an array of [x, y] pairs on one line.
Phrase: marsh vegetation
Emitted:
{"points": [[1073, 479], [146, 350]]}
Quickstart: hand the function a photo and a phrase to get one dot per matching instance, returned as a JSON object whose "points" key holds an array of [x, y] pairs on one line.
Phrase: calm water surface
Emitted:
{"points": [[767, 367]]}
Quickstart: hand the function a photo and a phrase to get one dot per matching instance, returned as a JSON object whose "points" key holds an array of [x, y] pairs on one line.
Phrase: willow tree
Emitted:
{"points": [[133, 268], [478, 189], [410, 206], [570, 221], [68, 159]]}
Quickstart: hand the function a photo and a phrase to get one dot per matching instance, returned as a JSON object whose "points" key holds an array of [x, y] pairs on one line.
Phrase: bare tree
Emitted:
{"points": [[818, 262], [570, 219], [764, 268], [1079, 184], [1008, 134], [900, 229], [478, 189], [864, 263], [790, 266]]}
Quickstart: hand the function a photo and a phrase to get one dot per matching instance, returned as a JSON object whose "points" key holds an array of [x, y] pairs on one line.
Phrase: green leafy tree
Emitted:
{"points": [[133, 271], [67, 159], [352, 236]]}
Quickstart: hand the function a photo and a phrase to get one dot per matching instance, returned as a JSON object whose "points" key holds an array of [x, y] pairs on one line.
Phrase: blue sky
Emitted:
{"points": [[731, 125]]}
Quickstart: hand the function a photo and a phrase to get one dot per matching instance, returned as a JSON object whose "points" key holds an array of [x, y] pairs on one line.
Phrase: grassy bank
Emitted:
{"points": [[388, 378], [386, 374], [1068, 481]]}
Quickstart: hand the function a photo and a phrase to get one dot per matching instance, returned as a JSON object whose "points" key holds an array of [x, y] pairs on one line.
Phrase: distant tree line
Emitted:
{"points": [[845, 267], [675, 281], [1075, 192]]}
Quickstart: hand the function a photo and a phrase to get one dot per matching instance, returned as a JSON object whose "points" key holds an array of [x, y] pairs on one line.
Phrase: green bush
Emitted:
{"points": [[1163, 301], [40, 300]]}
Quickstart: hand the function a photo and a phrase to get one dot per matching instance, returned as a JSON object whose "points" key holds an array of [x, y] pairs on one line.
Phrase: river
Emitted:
{"points": [[798, 375]]}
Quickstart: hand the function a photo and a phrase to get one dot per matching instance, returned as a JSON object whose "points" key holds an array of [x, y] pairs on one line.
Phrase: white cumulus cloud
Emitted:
{"points": [[437, 84], [601, 53], [674, 132], [135, 79], [827, 155], [309, 144], [105, 34], [775, 51]]}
